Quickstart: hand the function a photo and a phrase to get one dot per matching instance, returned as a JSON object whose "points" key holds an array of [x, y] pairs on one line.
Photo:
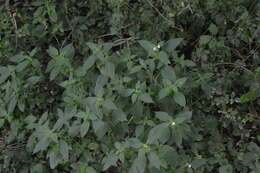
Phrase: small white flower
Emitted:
{"points": [[155, 49], [158, 46], [189, 165], [173, 123]]}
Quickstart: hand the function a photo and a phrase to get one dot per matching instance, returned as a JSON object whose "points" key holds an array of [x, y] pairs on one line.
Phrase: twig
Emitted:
{"points": [[123, 41], [13, 20], [236, 65], [165, 18]]}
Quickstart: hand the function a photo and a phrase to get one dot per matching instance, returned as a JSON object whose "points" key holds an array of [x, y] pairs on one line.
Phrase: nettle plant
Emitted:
{"points": [[110, 115]]}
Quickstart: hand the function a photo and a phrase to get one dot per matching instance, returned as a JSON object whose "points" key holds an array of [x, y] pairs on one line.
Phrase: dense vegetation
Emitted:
{"points": [[129, 86]]}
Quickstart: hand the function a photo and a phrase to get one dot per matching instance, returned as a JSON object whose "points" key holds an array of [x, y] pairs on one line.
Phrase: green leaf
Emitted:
{"points": [[164, 93], [180, 82], [168, 73], [147, 46], [146, 98], [159, 133], [53, 52], [21, 66], [88, 63], [163, 116], [189, 63], [164, 58], [108, 70], [257, 73], [84, 128], [225, 169], [154, 160], [249, 96], [42, 145], [179, 98], [53, 158], [119, 115], [184, 116], [110, 105], [17, 58], [171, 45], [33, 80], [38, 168], [68, 51], [4, 74], [110, 160], [100, 128], [177, 135], [90, 170], [54, 73], [2, 122], [213, 29], [198, 163], [64, 149], [139, 164], [204, 39], [12, 104]]}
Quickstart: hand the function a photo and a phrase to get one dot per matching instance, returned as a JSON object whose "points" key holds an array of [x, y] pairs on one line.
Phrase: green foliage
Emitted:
{"points": [[125, 86]]}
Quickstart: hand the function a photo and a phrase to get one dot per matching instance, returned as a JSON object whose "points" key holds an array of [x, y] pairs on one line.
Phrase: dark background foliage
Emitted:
{"points": [[129, 86]]}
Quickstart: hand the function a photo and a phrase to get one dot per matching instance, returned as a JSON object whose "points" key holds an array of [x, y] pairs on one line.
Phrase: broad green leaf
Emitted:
{"points": [[184, 116], [135, 69], [257, 73], [54, 73], [179, 98], [163, 116], [53, 52], [110, 105], [148, 46], [177, 135], [168, 73], [159, 133], [64, 149], [33, 80], [213, 29], [107, 46], [4, 74], [164, 58], [100, 128], [225, 169], [17, 58], [171, 45], [88, 63], [108, 70], [249, 96], [21, 66], [68, 51], [38, 168], [164, 93], [139, 130], [204, 39], [110, 160], [154, 160], [189, 63], [198, 163], [139, 164], [89, 170], [42, 145], [146, 98], [53, 158], [119, 115], [2, 121], [180, 82], [101, 81], [84, 128], [12, 104]]}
